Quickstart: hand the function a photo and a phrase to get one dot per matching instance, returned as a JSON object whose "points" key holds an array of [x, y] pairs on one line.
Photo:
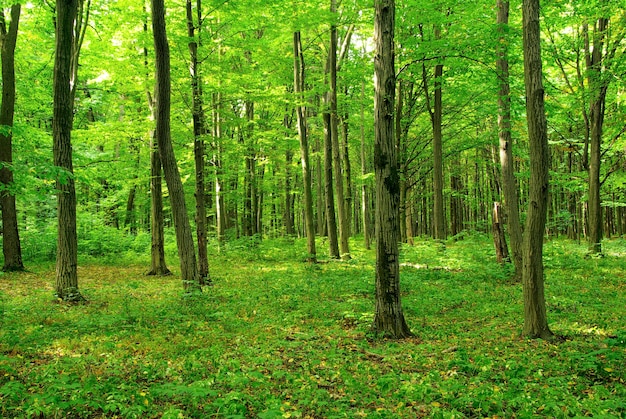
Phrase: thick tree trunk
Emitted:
{"points": [[184, 238], [11, 247], [298, 83], [389, 318], [199, 131], [509, 184], [66, 286], [535, 319]]}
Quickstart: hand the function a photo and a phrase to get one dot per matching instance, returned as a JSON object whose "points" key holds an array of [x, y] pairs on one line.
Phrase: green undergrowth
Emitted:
{"points": [[275, 337]]}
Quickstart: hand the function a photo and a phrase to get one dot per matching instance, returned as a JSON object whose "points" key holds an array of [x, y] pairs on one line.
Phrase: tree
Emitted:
{"points": [[509, 185], [388, 318], [158, 266], [184, 239], [535, 319], [65, 71], [298, 83], [199, 131], [11, 247]]}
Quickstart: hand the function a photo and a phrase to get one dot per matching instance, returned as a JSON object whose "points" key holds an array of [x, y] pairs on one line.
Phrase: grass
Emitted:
{"points": [[278, 338]]}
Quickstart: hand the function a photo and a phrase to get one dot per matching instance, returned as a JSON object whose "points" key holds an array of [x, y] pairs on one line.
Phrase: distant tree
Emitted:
{"points": [[535, 319], [388, 318], [184, 238], [10, 234]]}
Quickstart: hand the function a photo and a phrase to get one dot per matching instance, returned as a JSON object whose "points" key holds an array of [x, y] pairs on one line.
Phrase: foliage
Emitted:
{"points": [[276, 338]]}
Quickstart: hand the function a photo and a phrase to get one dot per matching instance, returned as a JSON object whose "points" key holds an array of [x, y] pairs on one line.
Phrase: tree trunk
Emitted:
{"points": [[439, 217], [509, 184], [388, 319], [364, 202], [331, 220], [598, 87], [198, 133], [157, 240], [157, 248], [11, 247], [535, 319], [66, 286], [220, 210], [184, 238], [499, 241], [298, 83]]}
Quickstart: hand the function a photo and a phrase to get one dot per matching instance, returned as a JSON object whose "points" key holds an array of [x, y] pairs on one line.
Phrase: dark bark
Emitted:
{"points": [[11, 247], [66, 284], [389, 318], [298, 83], [535, 319], [157, 248], [198, 133], [598, 84], [184, 238]]}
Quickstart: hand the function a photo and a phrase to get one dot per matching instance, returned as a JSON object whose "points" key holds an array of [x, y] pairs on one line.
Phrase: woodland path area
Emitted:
{"points": [[275, 337]]}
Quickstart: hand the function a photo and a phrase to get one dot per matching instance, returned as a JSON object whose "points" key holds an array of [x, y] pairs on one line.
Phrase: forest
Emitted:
{"points": [[286, 209]]}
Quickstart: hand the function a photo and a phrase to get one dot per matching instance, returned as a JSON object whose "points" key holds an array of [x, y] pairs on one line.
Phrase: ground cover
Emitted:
{"points": [[275, 337]]}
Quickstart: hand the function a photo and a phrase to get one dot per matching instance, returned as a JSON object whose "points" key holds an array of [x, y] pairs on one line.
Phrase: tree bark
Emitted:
{"points": [[11, 246], [509, 184], [298, 83], [439, 217], [389, 318], [66, 284], [334, 138], [598, 86], [364, 201], [199, 131], [158, 265], [535, 319], [184, 238]]}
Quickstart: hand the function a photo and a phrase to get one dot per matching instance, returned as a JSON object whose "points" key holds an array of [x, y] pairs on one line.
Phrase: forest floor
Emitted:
{"points": [[275, 337]]}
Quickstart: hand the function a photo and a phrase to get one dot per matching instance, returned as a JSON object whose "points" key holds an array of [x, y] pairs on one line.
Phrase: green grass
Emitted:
{"points": [[278, 338]]}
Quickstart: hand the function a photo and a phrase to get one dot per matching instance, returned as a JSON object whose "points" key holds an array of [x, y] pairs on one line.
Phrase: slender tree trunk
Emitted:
{"points": [[334, 139], [157, 248], [535, 319], [598, 88], [388, 318], [130, 220], [298, 83], [220, 210], [11, 247], [439, 214], [66, 286], [158, 265], [331, 220], [364, 202], [509, 184], [184, 238], [199, 131]]}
